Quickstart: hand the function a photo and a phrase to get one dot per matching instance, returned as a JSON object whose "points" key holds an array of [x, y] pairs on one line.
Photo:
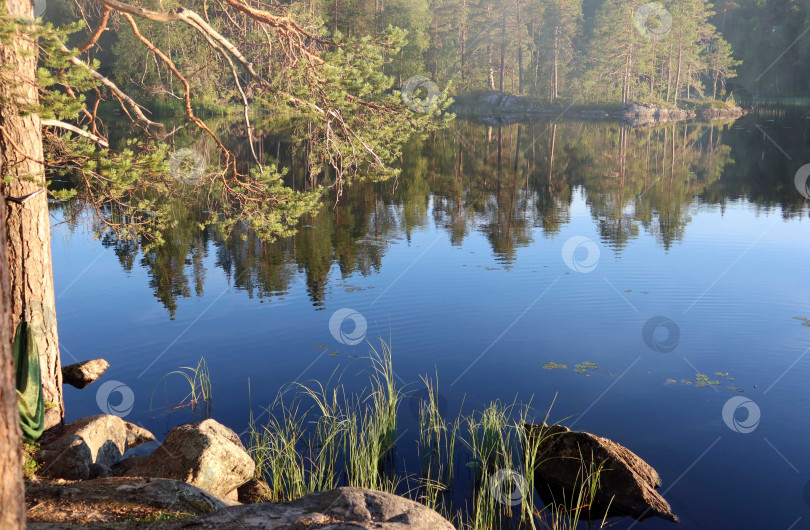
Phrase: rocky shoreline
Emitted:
{"points": [[200, 476], [506, 109], [104, 472]]}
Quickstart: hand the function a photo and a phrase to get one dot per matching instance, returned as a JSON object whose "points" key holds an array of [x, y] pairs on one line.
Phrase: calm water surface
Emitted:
{"points": [[467, 264]]}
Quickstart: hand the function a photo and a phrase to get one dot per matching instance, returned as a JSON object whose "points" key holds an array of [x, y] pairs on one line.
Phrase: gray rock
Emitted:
{"points": [[254, 492], [95, 440], [207, 455], [82, 374], [627, 483], [339, 509]]}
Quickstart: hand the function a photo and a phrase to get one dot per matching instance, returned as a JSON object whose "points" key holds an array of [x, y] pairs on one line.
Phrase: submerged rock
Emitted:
{"points": [[207, 455], [627, 484], [90, 446], [338, 509], [82, 374]]}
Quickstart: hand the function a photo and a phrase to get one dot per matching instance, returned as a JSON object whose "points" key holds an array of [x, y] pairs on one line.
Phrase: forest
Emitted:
{"points": [[557, 51]]}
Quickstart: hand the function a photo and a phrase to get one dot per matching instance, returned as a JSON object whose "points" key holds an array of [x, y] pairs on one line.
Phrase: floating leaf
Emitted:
{"points": [[721, 374], [551, 365], [805, 321], [584, 366], [703, 380]]}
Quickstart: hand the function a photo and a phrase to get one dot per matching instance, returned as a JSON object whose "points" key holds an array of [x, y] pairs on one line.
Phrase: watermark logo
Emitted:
{"points": [[123, 407], [420, 94], [661, 334], [581, 254], [187, 165], [208, 477], [337, 326], [730, 417], [653, 21], [39, 8], [803, 181], [508, 487], [41, 317]]}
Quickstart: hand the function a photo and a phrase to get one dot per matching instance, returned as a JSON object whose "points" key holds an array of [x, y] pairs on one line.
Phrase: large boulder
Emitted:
{"points": [[207, 455], [117, 499], [90, 446], [338, 509], [82, 374], [627, 484]]}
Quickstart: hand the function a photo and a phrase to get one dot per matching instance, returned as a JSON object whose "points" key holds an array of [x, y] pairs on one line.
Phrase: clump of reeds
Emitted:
{"points": [[328, 438]]}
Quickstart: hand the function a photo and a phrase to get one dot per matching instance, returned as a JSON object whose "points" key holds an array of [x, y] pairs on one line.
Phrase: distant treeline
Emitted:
{"points": [[578, 51]]}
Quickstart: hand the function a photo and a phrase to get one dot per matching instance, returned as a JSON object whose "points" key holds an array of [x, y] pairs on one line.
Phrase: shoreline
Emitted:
{"points": [[507, 109]]}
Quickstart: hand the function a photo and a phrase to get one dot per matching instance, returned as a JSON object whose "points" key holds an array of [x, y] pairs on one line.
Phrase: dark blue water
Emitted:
{"points": [[462, 266]]}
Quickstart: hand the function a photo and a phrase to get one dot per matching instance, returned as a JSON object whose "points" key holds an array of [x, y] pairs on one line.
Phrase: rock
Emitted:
{"points": [[107, 500], [82, 374], [641, 114], [207, 455], [338, 509], [626, 482], [254, 492], [731, 113], [137, 435], [84, 445]]}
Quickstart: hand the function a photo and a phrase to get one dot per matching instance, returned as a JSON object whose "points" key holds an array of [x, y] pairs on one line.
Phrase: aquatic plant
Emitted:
{"points": [[326, 438]]}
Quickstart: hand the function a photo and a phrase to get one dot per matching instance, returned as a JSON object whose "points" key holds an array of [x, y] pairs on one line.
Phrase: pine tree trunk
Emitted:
{"points": [[503, 52], [678, 75], [554, 67], [463, 41], [12, 503], [27, 225], [520, 49], [669, 73]]}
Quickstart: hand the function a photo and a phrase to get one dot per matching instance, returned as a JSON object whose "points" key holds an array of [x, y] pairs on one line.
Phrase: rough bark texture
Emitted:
{"points": [[29, 245], [12, 505]]}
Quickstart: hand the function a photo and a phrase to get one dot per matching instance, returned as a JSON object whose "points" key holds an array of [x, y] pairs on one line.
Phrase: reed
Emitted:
{"points": [[327, 438]]}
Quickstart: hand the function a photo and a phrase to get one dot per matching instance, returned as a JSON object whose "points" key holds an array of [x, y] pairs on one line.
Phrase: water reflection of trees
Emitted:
{"points": [[510, 183]]}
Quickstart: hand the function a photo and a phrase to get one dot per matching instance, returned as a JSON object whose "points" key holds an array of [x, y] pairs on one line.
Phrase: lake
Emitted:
{"points": [[673, 259]]}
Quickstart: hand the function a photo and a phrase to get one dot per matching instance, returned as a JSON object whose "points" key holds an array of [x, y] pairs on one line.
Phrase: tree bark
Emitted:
{"points": [[12, 497], [27, 225]]}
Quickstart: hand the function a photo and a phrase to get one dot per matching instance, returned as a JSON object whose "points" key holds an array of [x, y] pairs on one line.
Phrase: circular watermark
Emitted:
{"points": [[207, 476], [653, 20], [187, 165], [661, 334], [353, 337], [508, 487], [39, 8], [428, 94], [420, 399], [802, 180], [572, 254], [746, 425], [41, 317], [123, 407]]}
